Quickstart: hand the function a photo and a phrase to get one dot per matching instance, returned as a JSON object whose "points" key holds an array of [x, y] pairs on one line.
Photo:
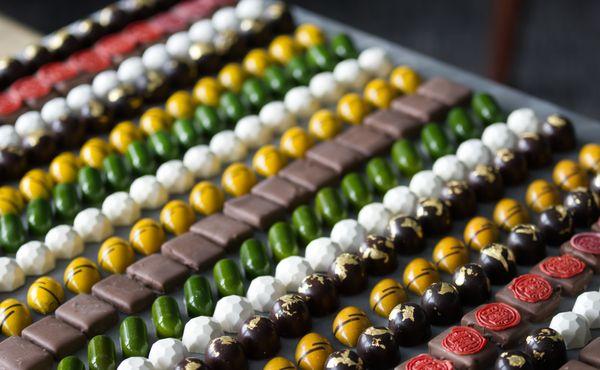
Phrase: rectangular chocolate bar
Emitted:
{"points": [[591, 259], [279, 190], [124, 293], [17, 353], [532, 295], [419, 107], [393, 123], [308, 174], [225, 231], [505, 338], [576, 365], [254, 211], [334, 156], [570, 286], [88, 314], [425, 358], [590, 354], [445, 91], [158, 272], [55, 336], [193, 250], [364, 140], [482, 359]]}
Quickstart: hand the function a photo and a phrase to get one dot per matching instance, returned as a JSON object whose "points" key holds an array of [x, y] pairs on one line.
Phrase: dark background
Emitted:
{"points": [[555, 55]]}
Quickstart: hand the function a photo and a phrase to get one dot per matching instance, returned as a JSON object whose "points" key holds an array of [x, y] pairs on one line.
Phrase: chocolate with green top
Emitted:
{"points": [[198, 296], [343, 47], [228, 278], [254, 259], [184, 132], [406, 158], [206, 121], [306, 224], [299, 70], [12, 233], [166, 317], [277, 80], [462, 124], [66, 201], [486, 108], [255, 94], [164, 146], [282, 241], [133, 336], [330, 206], [70, 363], [101, 353], [321, 58], [231, 108]]}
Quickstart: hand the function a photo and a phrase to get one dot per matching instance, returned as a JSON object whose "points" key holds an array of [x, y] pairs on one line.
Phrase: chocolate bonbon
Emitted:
{"points": [[464, 347]]}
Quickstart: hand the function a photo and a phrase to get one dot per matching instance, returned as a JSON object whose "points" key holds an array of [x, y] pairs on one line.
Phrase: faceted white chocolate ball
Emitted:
{"points": [[175, 177], [198, 332], [135, 363], [121, 209], [231, 312], [375, 61], [276, 116], [228, 147], [523, 120], [9, 138], [449, 168], [321, 253], [250, 9], [252, 132], [263, 291], [588, 306], [166, 353], [11, 275], [148, 192], [325, 88], [30, 123], [426, 184], [55, 109], [64, 242], [92, 225], [400, 201], [300, 102], [225, 20], [349, 235], [202, 162], [130, 70], [374, 218], [202, 31], [155, 57], [104, 82], [79, 96], [349, 74], [291, 271], [498, 136], [35, 258], [573, 327], [473, 152], [178, 45]]}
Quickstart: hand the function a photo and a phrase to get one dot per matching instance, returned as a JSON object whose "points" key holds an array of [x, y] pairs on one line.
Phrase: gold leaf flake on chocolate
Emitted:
{"points": [[486, 172], [446, 288], [374, 331], [556, 120], [516, 360], [435, 203], [494, 251], [460, 277], [411, 223], [375, 254], [341, 263], [538, 355], [408, 313], [376, 342], [505, 154], [252, 324], [526, 229], [344, 359]]}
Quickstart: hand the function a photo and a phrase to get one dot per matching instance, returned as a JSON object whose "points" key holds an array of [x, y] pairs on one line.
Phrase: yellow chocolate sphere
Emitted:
{"points": [[80, 275], [94, 151], [45, 295], [352, 108], [237, 179], [146, 236], [115, 254], [295, 142], [35, 184], [206, 198], [405, 79], [177, 216], [324, 125], [207, 91], [64, 168], [124, 134], [268, 161]]}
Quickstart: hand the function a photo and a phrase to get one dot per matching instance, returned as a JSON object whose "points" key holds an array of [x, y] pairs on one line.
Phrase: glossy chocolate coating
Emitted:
{"points": [[12, 164], [582, 205], [258, 335], [69, 131], [546, 348], [498, 262], [460, 198], [527, 243], [556, 224], [225, 353], [378, 348], [472, 283], [486, 182], [559, 132], [348, 274], [406, 234], [378, 255], [321, 292], [434, 216], [291, 315], [39, 148], [511, 165], [513, 360], [344, 360], [441, 303], [535, 148], [409, 323], [191, 363]]}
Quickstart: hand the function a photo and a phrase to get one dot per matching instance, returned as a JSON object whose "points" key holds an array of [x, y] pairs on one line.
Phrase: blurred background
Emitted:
{"points": [[548, 48]]}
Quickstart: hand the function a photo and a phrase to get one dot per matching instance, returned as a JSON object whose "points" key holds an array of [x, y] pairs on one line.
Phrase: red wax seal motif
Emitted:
{"points": [[117, 44], [9, 103], [89, 61], [426, 362], [531, 288], [143, 32], [30, 88], [497, 316], [52, 73], [463, 340], [586, 242], [169, 22], [562, 267]]}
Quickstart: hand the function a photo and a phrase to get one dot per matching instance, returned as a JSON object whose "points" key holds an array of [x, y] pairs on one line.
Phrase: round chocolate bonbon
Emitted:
{"points": [[527, 243], [480, 232], [312, 351], [546, 348], [406, 234], [583, 206], [460, 198], [225, 352], [556, 224], [472, 283], [541, 195], [410, 324], [560, 132], [291, 315], [378, 255], [509, 213], [348, 324], [419, 274], [377, 347], [348, 273], [344, 360], [441, 303], [434, 216], [498, 262], [513, 360], [486, 182], [258, 335], [511, 165], [449, 254], [321, 293], [535, 148], [569, 175]]}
